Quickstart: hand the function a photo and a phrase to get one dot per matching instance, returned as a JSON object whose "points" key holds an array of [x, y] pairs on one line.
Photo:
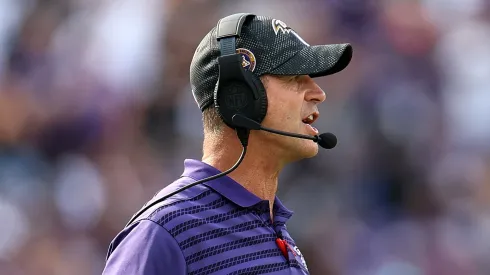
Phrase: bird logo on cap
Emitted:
{"points": [[278, 25], [248, 59]]}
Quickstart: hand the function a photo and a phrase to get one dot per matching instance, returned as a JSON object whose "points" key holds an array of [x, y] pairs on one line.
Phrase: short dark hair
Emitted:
{"points": [[211, 120]]}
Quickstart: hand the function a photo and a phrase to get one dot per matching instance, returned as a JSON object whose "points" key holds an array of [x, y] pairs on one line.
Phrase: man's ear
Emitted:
{"points": [[265, 80]]}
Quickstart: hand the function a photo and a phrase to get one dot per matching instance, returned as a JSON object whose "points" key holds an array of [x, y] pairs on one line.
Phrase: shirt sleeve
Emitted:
{"points": [[147, 249]]}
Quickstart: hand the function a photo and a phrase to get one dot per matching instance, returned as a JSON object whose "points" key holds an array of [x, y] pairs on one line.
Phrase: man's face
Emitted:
{"points": [[292, 107]]}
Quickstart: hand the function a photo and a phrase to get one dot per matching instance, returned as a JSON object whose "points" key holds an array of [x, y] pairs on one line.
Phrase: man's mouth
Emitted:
{"points": [[311, 118]]}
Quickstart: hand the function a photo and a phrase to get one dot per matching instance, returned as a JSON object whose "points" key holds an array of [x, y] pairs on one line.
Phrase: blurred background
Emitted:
{"points": [[96, 115]]}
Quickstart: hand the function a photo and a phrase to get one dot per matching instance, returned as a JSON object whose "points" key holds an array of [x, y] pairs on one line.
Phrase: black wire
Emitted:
{"points": [[243, 136]]}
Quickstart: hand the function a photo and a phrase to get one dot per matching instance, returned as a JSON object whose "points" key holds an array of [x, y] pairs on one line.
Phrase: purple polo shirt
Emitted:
{"points": [[217, 227]]}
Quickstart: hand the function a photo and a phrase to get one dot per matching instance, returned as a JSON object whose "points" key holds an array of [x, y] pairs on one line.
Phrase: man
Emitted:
{"points": [[235, 224]]}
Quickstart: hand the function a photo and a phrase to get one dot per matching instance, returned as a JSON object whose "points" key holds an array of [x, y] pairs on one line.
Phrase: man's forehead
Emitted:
{"points": [[283, 80]]}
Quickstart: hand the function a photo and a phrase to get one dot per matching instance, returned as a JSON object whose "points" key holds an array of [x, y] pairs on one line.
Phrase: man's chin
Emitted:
{"points": [[306, 152], [311, 152]]}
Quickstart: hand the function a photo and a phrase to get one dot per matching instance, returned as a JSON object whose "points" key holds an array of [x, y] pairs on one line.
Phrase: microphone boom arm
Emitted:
{"points": [[314, 138], [325, 140]]}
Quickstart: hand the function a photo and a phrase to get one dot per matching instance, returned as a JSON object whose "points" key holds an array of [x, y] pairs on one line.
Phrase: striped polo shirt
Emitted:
{"points": [[217, 227]]}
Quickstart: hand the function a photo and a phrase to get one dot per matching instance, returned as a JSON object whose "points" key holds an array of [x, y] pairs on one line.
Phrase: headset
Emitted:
{"points": [[237, 94], [238, 91]]}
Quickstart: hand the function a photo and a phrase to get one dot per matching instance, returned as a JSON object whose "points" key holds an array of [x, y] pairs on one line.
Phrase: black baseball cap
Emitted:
{"points": [[268, 46]]}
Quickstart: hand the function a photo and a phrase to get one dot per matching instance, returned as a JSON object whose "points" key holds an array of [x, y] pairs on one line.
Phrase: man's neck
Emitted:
{"points": [[258, 173]]}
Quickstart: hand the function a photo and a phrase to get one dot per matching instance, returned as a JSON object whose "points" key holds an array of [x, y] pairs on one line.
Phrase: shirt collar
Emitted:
{"points": [[229, 188], [281, 211]]}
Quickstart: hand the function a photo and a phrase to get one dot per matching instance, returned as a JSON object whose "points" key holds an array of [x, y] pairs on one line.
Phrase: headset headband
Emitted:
{"points": [[228, 29]]}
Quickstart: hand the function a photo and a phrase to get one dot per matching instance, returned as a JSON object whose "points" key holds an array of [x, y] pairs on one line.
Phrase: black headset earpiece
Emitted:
{"points": [[238, 90]]}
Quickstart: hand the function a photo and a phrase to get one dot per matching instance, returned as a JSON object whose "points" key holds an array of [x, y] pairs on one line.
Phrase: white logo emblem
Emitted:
{"points": [[301, 257], [278, 25]]}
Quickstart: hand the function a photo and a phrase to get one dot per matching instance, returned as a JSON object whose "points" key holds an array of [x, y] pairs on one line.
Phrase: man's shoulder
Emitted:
{"points": [[191, 204], [183, 208]]}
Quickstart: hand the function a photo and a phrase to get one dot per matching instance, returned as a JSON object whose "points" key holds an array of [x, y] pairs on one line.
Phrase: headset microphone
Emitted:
{"points": [[325, 140]]}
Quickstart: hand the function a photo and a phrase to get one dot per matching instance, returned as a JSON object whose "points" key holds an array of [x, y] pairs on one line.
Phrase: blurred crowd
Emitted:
{"points": [[96, 115]]}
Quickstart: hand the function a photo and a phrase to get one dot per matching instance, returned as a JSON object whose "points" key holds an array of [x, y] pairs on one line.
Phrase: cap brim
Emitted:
{"points": [[316, 61]]}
